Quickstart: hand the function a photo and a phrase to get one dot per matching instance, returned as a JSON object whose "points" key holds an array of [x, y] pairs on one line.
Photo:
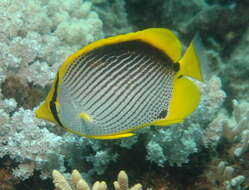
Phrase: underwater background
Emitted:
{"points": [[209, 151]]}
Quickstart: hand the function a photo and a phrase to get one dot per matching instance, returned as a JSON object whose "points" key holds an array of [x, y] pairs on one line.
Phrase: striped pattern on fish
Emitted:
{"points": [[120, 86], [114, 86]]}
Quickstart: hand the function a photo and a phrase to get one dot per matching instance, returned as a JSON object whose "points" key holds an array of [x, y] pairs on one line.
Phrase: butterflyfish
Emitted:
{"points": [[114, 86]]}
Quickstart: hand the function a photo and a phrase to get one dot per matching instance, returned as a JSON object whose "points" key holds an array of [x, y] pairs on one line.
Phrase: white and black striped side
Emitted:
{"points": [[120, 86]]}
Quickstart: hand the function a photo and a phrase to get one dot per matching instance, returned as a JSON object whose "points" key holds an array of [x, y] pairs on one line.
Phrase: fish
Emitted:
{"points": [[114, 86]]}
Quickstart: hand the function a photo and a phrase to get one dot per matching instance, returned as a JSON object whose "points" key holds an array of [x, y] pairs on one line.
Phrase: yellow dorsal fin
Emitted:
{"points": [[190, 63], [163, 39], [160, 38], [86, 116]]}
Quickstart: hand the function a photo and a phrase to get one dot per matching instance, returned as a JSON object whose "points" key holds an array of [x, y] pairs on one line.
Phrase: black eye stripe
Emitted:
{"points": [[52, 102]]}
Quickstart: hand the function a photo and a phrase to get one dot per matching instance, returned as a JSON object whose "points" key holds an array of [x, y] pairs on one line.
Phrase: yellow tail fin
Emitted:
{"points": [[190, 63]]}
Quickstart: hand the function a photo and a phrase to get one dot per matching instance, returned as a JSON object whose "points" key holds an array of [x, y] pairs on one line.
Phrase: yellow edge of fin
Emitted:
{"points": [[102, 137], [185, 99], [160, 38], [110, 137], [190, 63]]}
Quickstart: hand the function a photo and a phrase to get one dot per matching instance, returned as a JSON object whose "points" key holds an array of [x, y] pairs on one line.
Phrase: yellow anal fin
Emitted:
{"points": [[114, 136], [185, 99], [43, 112], [190, 64], [86, 117]]}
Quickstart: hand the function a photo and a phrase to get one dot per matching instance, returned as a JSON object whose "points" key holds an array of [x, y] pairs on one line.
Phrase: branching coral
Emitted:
{"points": [[226, 176], [78, 183], [29, 143], [229, 170], [236, 128], [31, 44], [222, 176]]}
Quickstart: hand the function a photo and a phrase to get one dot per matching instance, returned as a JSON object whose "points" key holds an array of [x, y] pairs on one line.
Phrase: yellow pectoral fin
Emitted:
{"points": [[85, 117], [43, 112], [185, 99]]}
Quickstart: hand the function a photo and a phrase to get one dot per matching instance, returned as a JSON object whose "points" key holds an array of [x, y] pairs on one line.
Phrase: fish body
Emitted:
{"points": [[117, 85]]}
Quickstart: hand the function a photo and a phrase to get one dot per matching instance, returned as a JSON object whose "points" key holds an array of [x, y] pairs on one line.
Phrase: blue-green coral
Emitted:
{"points": [[174, 145]]}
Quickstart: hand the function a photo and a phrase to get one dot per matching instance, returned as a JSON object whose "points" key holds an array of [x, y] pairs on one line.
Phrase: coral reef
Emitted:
{"points": [[78, 183], [236, 128], [31, 45], [28, 62], [228, 169], [27, 141], [221, 176], [225, 176], [233, 129], [37, 35]]}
